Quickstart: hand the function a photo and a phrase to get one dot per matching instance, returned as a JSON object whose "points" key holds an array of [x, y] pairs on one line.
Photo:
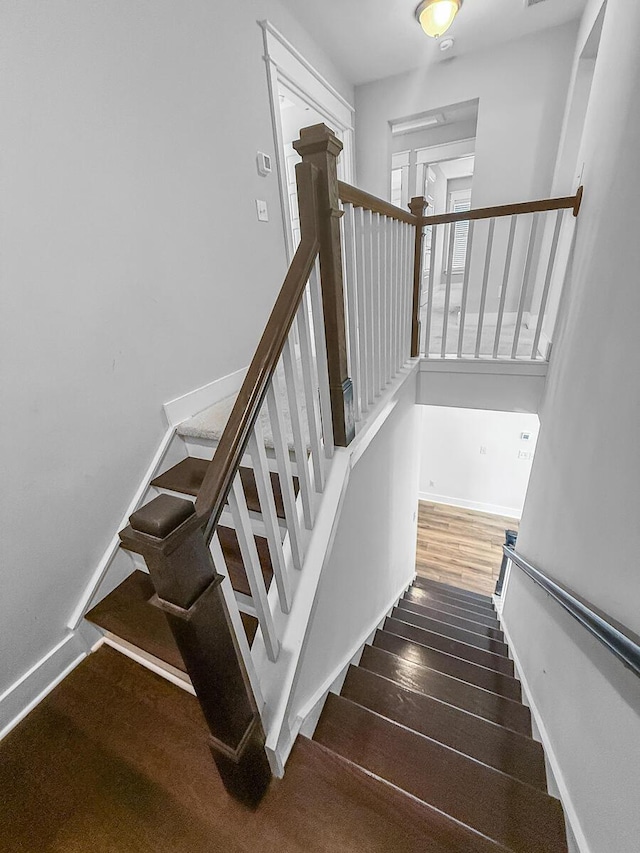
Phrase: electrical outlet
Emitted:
{"points": [[263, 211], [483, 450], [527, 455]]}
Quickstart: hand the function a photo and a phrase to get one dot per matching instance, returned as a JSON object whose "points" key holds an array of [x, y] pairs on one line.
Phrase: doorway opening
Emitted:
{"points": [[474, 473]]}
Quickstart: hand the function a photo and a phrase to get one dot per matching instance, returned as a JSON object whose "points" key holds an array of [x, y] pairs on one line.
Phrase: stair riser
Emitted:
{"points": [[453, 601], [487, 679], [426, 583], [464, 695], [449, 619], [518, 816], [416, 597], [487, 644], [493, 745], [450, 647]]}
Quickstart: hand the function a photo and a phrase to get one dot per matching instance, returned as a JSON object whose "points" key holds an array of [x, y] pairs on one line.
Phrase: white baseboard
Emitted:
{"points": [[492, 509], [190, 404], [558, 777], [333, 682], [40, 679], [114, 545]]}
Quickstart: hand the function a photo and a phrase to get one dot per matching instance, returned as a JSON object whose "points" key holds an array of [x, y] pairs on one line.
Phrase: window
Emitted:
{"points": [[459, 202]]}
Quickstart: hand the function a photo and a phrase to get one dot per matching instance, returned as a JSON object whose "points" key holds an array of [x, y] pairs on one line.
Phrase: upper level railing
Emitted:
{"points": [[616, 638], [490, 273], [345, 323]]}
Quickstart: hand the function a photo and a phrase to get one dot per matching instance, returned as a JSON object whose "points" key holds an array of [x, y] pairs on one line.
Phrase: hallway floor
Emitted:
{"points": [[460, 547]]}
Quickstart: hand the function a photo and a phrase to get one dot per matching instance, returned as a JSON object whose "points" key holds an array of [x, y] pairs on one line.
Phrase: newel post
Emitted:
{"points": [[417, 207], [169, 535], [319, 146]]}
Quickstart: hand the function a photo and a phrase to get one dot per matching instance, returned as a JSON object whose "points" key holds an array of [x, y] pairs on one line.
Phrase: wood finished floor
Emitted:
{"points": [[460, 547], [115, 760]]}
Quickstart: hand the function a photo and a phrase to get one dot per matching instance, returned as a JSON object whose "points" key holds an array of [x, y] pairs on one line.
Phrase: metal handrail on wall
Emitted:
{"points": [[622, 644]]}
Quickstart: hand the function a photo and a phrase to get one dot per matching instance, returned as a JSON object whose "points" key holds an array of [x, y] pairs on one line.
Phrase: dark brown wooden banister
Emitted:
{"points": [[173, 535], [571, 202], [359, 198]]}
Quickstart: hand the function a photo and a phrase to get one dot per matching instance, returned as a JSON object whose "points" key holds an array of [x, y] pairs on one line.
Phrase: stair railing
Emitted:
{"points": [[297, 388], [343, 326], [501, 262]]}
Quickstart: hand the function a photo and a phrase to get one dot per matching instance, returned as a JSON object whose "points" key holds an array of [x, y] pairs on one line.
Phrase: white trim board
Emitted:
{"points": [[176, 411], [38, 681], [558, 777], [492, 509], [182, 408]]}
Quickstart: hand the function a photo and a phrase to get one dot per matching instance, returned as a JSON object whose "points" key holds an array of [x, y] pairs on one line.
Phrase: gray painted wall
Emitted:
{"points": [[134, 268], [580, 520]]}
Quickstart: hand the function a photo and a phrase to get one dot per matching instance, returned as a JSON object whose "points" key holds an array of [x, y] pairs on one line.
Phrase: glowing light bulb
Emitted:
{"points": [[436, 16]]}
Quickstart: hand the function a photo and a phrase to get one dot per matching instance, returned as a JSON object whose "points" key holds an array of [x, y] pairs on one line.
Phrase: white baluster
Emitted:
{"points": [[525, 284], [427, 341], [505, 282], [311, 385], [447, 293], [376, 306], [409, 254], [322, 366], [465, 287], [236, 620], [283, 461], [397, 295], [485, 281], [251, 560], [264, 487], [385, 304], [351, 286], [370, 305], [547, 282], [363, 296], [299, 439]]}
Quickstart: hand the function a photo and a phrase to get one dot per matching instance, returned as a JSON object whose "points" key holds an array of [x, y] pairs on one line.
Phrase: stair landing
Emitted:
{"points": [[116, 759]]}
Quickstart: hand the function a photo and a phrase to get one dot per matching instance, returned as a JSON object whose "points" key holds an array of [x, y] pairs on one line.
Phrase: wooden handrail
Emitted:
{"points": [[566, 202], [226, 460], [617, 639], [359, 198]]}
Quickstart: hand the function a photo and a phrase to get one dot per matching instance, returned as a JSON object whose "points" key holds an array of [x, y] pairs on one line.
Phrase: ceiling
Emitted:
{"points": [[371, 39]]}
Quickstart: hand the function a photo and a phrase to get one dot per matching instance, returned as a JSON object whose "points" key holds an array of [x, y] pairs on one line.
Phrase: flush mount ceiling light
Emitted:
{"points": [[436, 16]]}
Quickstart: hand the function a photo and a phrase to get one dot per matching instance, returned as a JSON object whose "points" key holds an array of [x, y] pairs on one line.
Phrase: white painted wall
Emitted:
{"points": [[580, 520], [131, 253], [521, 86], [454, 470], [373, 555]]}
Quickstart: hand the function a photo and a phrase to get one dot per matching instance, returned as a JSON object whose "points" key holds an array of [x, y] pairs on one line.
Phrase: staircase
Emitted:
{"points": [[231, 539], [433, 713]]}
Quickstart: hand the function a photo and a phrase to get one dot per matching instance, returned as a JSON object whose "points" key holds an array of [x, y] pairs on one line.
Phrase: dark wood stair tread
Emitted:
{"points": [[488, 679], [499, 663], [393, 821], [450, 619], [128, 614], [235, 565], [519, 816], [501, 748], [465, 636], [431, 596], [427, 583], [186, 478], [424, 598], [412, 675]]}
